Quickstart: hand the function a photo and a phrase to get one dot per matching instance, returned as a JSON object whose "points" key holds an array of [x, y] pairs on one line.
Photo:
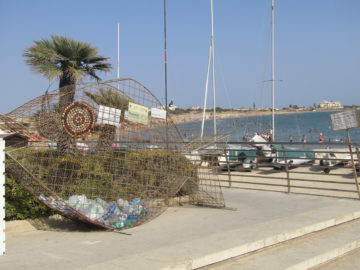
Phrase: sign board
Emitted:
{"points": [[158, 113], [138, 113], [345, 120], [126, 114], [109, 116]]}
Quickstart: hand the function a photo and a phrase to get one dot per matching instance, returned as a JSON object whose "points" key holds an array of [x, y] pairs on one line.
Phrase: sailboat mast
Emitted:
{"points": [[206, 92], [165, 77], [118, 52], [213, 62], [273, 65]]}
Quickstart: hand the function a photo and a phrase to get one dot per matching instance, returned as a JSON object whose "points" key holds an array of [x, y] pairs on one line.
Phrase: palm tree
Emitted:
{"points": [[67, 60], [110, 98]]}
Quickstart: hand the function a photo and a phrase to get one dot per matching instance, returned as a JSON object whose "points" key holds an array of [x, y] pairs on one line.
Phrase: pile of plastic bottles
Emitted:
{"points": [[117, 214]]}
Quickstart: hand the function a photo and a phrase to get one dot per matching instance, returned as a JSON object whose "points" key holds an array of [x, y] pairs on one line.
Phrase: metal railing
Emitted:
{"points": [[305, 168]]}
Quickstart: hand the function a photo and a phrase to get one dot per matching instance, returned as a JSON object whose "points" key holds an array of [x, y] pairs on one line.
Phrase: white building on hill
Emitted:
{"points": [[330, 105]]}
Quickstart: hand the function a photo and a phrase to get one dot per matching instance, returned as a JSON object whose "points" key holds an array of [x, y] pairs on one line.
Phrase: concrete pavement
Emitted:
{"points": [[182, 237]]}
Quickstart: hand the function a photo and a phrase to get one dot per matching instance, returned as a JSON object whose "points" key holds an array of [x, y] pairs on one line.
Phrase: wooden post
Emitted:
{"points": [[228, 167], [358, 157], [2, 197], [286, 169], [352, 162]]}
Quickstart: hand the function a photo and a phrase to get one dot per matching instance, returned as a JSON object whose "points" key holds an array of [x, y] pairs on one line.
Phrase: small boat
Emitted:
{"points": [[333, 159], [277, 156], [291, 157]]}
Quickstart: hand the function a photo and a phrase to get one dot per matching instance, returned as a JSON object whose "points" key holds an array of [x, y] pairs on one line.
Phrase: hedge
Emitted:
{"points": [[19, 204]]}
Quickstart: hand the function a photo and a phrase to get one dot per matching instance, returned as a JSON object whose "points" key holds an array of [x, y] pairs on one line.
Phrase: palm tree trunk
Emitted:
{"points": [[67, 86], [106, 138]]}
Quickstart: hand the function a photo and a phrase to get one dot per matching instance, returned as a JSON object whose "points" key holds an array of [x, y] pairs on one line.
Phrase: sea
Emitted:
{"points": [[296, 125]]}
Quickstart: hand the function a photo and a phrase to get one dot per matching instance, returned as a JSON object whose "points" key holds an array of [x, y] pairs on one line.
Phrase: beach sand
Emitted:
{"points": [[194, 116]]}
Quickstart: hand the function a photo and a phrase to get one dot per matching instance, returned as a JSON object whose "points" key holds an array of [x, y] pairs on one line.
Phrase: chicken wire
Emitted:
{"points": [[106, 154]]}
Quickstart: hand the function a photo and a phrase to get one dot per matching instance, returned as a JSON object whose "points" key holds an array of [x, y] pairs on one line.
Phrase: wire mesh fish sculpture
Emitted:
{"points": [[106, 154]]}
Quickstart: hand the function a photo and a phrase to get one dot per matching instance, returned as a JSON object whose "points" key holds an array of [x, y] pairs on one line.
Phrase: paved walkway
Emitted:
{"points": [[184, 237]]}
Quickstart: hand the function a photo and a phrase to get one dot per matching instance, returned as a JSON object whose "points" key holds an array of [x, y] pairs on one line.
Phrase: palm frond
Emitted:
{"points": [[109, 97], [52, 57]]}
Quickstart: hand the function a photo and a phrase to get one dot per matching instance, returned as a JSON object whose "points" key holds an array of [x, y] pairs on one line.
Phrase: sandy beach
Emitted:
{"points": [[194, 116]]}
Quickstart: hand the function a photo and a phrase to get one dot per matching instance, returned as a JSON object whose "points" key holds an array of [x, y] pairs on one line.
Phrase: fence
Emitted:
{"points": [[311, 168]]}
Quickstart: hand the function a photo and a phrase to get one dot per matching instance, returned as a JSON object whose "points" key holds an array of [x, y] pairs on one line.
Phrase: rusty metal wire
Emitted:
{"points": [[102, 154]]}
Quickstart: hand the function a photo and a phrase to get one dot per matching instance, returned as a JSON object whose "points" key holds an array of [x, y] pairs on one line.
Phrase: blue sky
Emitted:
{"points": [[317, 47]]}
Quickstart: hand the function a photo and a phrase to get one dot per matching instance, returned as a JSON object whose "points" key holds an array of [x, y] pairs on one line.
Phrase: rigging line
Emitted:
{"points": [[265, 73], [233, 126], [206, 93], [266, 26]]}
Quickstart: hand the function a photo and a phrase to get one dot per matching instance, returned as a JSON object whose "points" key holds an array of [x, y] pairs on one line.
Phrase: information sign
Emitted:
{"points": [[138, 113], [345, 120], [109, 116], [158, 113]]}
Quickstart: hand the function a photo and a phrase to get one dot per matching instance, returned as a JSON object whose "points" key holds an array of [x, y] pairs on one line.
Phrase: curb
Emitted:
{"points": [[223, 255], [325, 257]]}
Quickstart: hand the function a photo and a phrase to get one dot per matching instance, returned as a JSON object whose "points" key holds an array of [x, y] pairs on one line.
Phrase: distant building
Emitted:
{"points": [[330, 105], [242, 109], [14, 139], [196, 108]]}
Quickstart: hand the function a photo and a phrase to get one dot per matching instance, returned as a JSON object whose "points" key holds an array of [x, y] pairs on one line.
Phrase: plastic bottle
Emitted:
{"points": [[135, 201]]}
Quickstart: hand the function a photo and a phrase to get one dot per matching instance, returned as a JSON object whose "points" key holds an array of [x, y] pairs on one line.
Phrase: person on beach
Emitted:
{"points": [[270, 135], [291, 138], [304, 139], [321, 138], [246, 137]]}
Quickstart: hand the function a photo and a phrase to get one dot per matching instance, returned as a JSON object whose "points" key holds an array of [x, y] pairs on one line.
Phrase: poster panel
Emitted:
{"points": [[109, 116], [158, 113], [138, 113]]}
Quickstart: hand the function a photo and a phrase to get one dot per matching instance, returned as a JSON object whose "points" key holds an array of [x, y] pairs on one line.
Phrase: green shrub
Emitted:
{"points": [[160, 168], [19, 204]]}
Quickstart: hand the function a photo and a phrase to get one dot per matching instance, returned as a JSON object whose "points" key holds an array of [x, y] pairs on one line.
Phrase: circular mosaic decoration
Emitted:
{"points": [[78, 119], [49, 124]]}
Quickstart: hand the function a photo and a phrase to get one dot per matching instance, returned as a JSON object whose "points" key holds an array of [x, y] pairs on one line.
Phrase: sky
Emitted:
{"points": [[317, 45]]}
